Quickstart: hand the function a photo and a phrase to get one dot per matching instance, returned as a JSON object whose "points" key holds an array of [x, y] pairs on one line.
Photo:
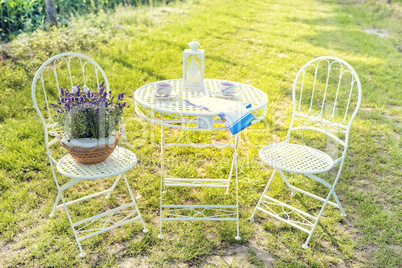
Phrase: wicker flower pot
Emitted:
{"points": [[91, 156]]}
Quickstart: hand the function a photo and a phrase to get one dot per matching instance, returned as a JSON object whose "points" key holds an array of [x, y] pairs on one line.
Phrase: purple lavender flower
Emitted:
{"points": [[88, 113]]}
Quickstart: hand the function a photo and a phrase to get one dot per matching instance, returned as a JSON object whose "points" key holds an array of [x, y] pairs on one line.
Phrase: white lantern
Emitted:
{"points": [[193, 67]]}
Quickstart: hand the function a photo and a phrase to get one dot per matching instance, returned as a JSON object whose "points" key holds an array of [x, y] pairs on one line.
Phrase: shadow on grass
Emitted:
{"points": [[340, 36], [143, 69]]}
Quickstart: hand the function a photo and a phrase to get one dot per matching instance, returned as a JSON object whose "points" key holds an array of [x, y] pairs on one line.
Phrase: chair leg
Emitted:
{"points": [[145, 230], [262, 196], [287, 182], [114, 186], [55, 205], [339, 204], [82, 253], [331, 192], [305, 245]]}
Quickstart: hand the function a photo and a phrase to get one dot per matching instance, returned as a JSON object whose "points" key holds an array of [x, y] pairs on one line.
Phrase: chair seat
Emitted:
{"points": [[296, 158], [119, 162]]}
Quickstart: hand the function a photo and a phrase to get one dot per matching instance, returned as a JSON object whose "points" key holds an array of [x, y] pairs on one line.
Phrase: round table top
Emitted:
{"points": [[144, 96], [119, 162]]}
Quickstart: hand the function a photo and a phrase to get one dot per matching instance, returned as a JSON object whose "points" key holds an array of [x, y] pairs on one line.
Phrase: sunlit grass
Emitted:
{"points": [[261, 43]]}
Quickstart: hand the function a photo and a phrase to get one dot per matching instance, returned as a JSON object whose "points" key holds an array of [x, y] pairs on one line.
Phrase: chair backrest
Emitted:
{"points": [[66, 70], [326, 97]]}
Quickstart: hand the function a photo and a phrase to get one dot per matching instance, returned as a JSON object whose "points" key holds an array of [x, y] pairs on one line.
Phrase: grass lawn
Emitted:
{"points": [[261, 43]]}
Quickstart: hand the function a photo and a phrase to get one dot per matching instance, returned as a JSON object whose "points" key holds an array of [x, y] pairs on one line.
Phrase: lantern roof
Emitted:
{"points": [[194, 45]]}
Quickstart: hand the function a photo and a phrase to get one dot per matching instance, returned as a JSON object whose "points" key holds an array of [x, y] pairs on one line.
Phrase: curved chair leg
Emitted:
{"points": [[262, 196]]}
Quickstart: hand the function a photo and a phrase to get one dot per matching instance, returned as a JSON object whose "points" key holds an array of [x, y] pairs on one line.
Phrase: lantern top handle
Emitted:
{"points": [[194, 45]]}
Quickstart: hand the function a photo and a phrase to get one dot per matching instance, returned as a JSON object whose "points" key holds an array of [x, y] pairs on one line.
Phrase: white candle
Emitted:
{"points": [[193, 73]]}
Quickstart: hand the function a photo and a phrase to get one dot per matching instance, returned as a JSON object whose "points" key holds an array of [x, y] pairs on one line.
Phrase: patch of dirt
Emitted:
{"points": [[18, 248], [385, 200], [280, 116], [138, 261], [282, 55], [397, 248], [354, 2], [367, 109], [371, 248], [359, 257], [7, 251], [380, 32], [237, 256], [397, 120], [391, 117], [116, 248], [156, 14], [12, 250]]}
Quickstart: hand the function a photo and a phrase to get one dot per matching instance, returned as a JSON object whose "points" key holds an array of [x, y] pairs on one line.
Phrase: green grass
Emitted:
{"points": [[261, 43]]}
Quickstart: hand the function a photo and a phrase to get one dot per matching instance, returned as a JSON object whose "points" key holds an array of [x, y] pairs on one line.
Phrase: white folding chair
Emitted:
{"points": [[325, 100], [80, 69]]}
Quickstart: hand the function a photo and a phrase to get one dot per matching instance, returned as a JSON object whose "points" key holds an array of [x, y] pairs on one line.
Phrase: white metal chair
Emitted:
{"points": [[319, 105], [75, 66]]}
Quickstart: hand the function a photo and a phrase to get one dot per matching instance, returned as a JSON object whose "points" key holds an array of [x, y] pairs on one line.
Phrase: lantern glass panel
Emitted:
{"points": [[193, 70]]}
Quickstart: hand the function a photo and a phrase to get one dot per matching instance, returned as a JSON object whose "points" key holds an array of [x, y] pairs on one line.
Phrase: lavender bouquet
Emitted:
{"points": [[88, 114]]}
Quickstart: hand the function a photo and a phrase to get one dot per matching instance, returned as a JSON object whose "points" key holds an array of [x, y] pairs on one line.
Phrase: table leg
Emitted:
{"points": [[174, 212], [162, 174], [237, 188]]}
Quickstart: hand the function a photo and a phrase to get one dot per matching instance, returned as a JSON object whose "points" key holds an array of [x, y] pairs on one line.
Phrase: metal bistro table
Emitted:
{"points": [[176, 113]]}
